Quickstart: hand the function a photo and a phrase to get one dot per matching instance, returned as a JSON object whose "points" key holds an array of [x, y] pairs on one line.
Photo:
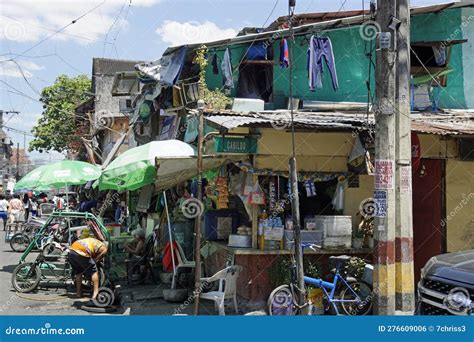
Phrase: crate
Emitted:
{"points": [[307, 236], [336, 231]]}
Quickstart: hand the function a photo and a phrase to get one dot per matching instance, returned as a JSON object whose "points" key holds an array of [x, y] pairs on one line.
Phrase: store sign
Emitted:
{"points": [[236, 145], [384, 174], [381, 203]]}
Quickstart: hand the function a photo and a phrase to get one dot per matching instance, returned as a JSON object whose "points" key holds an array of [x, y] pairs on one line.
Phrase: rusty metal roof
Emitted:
{"points": [[281, 119], [451, 122]]}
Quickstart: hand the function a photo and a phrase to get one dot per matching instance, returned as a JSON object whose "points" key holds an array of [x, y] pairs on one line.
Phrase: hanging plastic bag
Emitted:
{"points": [[257, 196], [248, 188], [338, 200]]}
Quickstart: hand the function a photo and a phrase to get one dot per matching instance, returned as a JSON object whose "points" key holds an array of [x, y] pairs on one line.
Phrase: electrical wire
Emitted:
{"points": [[62, 28], [116, 18]]}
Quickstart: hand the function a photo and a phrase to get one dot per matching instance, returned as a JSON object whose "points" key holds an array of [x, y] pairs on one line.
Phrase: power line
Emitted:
{"points": [[61, 29]]}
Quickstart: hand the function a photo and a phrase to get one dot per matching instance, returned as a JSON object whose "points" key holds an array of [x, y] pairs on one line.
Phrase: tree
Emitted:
{"points": [[56, 129]]}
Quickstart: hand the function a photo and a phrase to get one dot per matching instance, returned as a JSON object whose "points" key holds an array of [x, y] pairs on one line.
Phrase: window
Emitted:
{"points": [[256, 80]]}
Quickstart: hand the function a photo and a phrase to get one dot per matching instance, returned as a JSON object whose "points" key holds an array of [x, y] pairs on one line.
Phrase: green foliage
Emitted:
{"points": [[55, 129], [355, 267], [280, 271], [214, 99]]}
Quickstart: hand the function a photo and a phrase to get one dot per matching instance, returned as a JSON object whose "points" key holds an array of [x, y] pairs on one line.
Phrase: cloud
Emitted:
{"points": [[176, 33], [31, 20], [9, 68]]}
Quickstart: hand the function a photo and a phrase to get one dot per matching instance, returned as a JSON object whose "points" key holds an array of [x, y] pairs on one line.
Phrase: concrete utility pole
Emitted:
{"points": [[384, 192], [404, 286]]}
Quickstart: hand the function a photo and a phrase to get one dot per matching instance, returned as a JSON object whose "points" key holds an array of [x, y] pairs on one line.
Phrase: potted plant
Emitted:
{"points": [[358, 239], [367, 226], [355, 267]]}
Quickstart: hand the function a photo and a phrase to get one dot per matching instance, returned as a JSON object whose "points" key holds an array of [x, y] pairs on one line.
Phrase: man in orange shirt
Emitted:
{"points": [[83, 257]]}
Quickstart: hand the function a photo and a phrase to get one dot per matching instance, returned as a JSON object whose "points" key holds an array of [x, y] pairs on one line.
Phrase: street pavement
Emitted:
{"points": [[139, 300]]}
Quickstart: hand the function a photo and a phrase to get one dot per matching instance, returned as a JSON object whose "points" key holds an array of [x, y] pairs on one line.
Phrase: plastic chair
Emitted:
{"points": [[227, 279], [183, 262]]}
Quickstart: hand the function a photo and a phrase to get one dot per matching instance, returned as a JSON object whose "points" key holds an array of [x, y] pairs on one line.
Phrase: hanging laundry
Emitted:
{"points": [[215, 69], [440, 54], [270, 52], [226, 67], [320, 48], [310, 188], [284, 54]]}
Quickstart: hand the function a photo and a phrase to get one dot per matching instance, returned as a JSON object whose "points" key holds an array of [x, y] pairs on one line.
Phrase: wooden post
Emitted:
{"points": [[254, 218], [197, 226]]}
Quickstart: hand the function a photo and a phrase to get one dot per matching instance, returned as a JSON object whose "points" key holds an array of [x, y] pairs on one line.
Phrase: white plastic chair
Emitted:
{"points": [[183, 262], [227, 288]]}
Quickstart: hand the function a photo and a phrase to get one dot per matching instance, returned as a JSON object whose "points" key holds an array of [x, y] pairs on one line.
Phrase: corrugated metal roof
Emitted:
{"points": [[108, 66], [449, 123], [282, 119]]}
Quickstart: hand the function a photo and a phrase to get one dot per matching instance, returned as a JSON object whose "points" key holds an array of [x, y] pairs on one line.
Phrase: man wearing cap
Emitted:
{"points": [[83, 257]]}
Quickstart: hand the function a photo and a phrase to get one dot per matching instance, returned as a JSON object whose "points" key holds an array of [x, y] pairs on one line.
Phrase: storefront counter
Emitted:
{"points": [[255, 281], [255, 251]]}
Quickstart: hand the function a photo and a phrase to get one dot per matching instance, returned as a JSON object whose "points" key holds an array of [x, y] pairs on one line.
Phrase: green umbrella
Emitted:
{"points": [[59, 174], [135, 168]]}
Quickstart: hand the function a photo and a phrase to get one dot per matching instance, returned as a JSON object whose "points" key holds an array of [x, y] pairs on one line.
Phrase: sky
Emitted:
{"points": [[40, 40]]}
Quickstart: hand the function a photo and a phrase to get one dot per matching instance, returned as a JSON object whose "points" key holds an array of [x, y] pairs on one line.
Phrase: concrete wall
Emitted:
{"points": [[321, 152], [352, 64], [459, 205], [467, 26]]}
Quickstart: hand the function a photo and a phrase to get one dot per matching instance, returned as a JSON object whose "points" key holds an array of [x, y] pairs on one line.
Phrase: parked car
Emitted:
{"points": [[447, 285]]}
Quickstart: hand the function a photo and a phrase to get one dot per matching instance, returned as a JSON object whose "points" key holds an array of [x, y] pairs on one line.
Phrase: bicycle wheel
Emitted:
{"points": [[26, 277], [19, 242], [51, 252], [281, 302], [363, 295]]}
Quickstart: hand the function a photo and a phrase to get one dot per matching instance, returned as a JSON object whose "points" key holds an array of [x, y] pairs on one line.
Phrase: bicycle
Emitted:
{"points": [[353, 297], [27, 276]]}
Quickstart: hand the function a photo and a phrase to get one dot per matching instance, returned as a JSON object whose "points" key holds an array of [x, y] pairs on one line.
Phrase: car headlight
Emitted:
{"points": [[425, 269]]}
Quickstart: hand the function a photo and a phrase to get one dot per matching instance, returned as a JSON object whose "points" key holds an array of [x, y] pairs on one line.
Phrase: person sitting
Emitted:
{"points": [[83, 257], [136, 247]]}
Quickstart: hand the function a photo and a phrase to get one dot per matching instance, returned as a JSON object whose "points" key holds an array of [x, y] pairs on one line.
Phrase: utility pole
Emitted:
{"points": [[405, 282], [294, 196], [384, 188], [17, 162]]}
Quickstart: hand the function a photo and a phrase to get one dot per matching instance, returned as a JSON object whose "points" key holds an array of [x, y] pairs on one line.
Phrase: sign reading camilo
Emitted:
{"points": [[243, 145]]}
